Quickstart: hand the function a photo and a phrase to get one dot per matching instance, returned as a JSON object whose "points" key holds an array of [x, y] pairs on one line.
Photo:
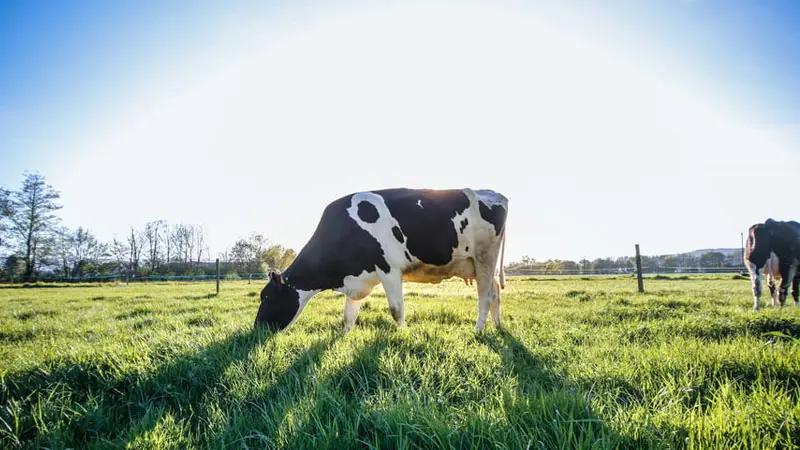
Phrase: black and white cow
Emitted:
{"points": [[392, 235], [774, 247]]}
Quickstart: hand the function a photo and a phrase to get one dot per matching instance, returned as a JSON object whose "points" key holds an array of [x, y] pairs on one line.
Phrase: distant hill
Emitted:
{"points": [[725, 251]]}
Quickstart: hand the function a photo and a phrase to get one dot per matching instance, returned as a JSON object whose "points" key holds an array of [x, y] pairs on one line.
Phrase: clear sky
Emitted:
{"points": [[675, 124]]}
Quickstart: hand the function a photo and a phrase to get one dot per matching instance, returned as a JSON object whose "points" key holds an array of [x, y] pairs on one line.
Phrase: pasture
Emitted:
{"points": [[580, 363]]}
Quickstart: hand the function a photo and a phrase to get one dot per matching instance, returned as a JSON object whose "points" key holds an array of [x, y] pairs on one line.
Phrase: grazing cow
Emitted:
{"points": [[774, 247], [387, 237]]}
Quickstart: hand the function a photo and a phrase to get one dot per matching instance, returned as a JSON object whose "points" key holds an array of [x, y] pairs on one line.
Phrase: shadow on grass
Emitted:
{"points": [[77, 404], [302, 408], [349, 408], [545, 410]]}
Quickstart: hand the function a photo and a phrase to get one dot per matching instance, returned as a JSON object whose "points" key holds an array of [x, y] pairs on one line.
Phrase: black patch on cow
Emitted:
{"points": [[466, 249], [367, 212], [408, 257], [496, 215], [279, 305], [759, 245], [338, 248], [398, 234], [782, 238], [429, 231], [464, 224]]}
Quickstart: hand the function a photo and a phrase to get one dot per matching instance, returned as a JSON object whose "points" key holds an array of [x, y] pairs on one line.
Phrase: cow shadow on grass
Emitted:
{"points": [[348, 407], [302, 407], [95, 405], [546, 411], [281, 415]]}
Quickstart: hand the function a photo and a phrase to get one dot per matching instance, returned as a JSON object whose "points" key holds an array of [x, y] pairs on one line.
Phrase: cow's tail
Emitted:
{"points": [[502, 254]]}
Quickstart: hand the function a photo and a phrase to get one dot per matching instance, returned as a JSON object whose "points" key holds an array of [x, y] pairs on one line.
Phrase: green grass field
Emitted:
{"points": [[581, 363]]}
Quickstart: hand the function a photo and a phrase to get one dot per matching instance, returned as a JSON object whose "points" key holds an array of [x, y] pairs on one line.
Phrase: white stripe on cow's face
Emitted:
{"points": [[394, 251], [302, 298]]}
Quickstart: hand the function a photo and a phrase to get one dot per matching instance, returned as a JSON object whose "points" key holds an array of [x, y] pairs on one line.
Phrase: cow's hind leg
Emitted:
{"points": [[494, 303], [796, 289], [788, 272], [393, 286], [351, 308], [484, 275], [773, 291]]}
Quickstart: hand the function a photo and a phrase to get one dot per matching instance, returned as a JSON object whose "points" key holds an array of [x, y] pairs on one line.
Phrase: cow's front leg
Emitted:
{"points": [[351, 308], [755, 280], [393, 286], [796, 289]]}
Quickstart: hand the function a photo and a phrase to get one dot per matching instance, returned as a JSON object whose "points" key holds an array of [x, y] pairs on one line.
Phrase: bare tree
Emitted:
{"points": [[153, 235], [5, 216], [136, 245], [119, 252], [167, 238], [198, 238], [86, 251], [32, 217]]}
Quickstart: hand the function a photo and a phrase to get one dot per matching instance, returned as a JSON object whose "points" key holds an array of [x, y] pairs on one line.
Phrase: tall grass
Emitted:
{"points": [[579, 364]]}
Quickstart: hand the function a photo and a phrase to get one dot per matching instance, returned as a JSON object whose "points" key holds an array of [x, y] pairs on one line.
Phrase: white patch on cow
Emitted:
{"points": [[356, 287], [419, 203], [393, 250]]}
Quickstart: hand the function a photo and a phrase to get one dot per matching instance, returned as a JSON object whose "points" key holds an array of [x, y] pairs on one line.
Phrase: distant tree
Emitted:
{"points": [[87, 252], [286, 259], [249, 254], [153, 232], [552, 266], [671, 262], [32, 217], [119, 252], [77, 252], [712, 259], [569, 266], [199, 243], [5, 216], [135, 248], [13, 267], [278, 257]]}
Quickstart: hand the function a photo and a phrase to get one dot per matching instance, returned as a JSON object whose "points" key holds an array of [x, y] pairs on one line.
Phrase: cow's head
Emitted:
{"points": [[280, 303], [759, 242]]}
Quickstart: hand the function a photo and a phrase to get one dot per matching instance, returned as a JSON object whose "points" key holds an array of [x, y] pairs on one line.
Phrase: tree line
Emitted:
{"points": [[683, 262], [34, 244]]}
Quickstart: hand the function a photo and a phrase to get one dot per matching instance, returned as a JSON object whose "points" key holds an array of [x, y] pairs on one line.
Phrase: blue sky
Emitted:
{"points": [[245, 117]]}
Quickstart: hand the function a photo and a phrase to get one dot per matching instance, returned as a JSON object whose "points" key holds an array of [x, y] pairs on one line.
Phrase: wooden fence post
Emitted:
{"points": [[639, 279], [217, 276]]}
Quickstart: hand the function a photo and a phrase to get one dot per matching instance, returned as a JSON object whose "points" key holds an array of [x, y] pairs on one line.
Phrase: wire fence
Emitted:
{"points": [[626, 271], [126, 278], [262, 276]]}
